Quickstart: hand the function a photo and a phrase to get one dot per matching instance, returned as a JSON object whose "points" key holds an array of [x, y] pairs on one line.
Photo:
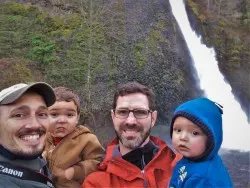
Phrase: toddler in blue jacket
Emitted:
{"points": [[196, 132]]}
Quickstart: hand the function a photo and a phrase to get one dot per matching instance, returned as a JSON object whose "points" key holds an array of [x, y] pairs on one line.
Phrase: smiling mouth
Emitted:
{"points": [[130, 133], [33, 137], [131, 130]]}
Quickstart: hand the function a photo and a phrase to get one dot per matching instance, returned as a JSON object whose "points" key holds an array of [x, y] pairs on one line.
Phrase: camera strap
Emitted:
{"points": [[24, 173]]}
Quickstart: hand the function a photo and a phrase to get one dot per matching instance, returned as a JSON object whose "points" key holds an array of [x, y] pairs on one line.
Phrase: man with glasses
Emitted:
{"points": [[134, 158]]}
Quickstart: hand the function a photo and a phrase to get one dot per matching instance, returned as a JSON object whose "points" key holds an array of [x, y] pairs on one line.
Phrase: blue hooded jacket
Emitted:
{"points": [[208, 170]]}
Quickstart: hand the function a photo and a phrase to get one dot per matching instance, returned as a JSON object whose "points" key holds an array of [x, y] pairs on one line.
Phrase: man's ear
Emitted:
{"points": [[153, 118], [112, 114]]}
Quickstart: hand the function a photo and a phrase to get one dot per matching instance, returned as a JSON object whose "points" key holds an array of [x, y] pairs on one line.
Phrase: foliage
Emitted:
{"points": [[17, 67], [21, 35], [246, 19], [194, 7], [140, 58], [45, 40], [42, 50], [93, 46], [155, 36]]}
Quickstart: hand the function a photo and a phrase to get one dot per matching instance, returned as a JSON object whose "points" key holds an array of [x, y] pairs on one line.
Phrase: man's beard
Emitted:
{"points": [[15, 153], [28, 155], [31, 152], [133, 142]]}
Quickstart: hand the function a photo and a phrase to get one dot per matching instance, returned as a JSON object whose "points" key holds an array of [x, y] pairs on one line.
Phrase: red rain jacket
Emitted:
{"points": [[117, 172]]}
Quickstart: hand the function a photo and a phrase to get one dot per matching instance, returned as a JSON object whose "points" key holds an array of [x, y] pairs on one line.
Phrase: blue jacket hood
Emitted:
{"points": [[208, 116]]}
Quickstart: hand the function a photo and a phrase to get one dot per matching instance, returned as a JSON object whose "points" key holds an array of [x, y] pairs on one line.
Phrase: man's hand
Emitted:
{"points": [[69, 173]]}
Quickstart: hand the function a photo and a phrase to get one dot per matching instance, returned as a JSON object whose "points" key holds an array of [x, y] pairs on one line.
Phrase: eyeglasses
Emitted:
{"points": [[138, 113]]}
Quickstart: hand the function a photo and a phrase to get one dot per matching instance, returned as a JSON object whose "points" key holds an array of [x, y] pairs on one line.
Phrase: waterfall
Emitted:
{"points": [[236, 129]]}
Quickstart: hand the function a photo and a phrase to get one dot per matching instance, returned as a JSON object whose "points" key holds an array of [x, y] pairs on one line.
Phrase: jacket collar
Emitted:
{"points": [[80, 129], [37, 164], [114, 164]]}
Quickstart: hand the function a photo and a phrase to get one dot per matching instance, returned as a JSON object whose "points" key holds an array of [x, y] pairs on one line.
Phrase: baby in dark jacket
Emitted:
{"points": [[196, 132]]}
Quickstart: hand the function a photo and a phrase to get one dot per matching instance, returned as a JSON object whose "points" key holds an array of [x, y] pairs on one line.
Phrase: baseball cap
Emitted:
{"points": [[11, 94]]}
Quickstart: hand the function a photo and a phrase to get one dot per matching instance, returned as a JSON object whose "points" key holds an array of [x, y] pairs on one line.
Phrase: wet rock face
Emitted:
{"points": [[237, 164], [149, 48], [167, 66]]}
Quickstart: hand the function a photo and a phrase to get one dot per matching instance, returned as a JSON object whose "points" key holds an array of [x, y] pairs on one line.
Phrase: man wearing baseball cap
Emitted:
{"points": [[23, 125]]}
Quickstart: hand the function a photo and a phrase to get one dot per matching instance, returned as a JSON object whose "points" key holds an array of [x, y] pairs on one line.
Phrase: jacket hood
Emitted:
{"points": [[208, 116]]}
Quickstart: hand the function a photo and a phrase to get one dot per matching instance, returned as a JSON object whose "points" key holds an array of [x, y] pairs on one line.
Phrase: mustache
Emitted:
{"points": [[26, 131], [133, 127]]}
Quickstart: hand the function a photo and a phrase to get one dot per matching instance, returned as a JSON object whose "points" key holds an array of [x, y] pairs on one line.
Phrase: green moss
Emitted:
{"points": [[154, 36], [139, 56], [40, 19], [194, 7], [139, 47], [196, 10], [63, 34], [19, 9], [222, 23], [16, 9], [161, 25]]}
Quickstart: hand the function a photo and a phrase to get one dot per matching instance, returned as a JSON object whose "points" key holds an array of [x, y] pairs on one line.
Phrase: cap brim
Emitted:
{"points": [[42, 88]]}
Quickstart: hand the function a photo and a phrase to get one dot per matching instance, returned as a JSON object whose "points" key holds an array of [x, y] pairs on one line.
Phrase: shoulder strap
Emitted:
{"points": [[24, 173]]}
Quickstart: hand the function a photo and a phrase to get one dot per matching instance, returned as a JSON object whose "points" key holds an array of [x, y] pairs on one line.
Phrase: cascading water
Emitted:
{"points": [[236, 129]]}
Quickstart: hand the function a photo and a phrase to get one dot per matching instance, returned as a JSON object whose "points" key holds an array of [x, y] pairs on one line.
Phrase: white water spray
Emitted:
{"points": [[236, 129]]}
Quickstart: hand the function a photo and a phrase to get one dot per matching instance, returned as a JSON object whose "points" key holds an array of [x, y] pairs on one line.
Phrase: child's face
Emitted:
{"points": [[63, 118], [187, 138]]}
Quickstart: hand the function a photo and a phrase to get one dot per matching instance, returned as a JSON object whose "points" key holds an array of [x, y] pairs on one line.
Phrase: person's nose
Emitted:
{"points": [[131, 118], [184, 136], [33, 123], [61, 119]]}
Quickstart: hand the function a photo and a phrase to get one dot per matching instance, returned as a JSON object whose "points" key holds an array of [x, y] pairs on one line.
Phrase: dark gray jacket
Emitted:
{"points": [[38, 165]]}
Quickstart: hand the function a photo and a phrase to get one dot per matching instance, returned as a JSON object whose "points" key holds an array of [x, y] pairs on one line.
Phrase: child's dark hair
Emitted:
{"points": [[67, 94]]}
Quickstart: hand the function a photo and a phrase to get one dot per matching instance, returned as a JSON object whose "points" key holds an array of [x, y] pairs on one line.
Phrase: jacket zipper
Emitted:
{"points": [[145, 181]]}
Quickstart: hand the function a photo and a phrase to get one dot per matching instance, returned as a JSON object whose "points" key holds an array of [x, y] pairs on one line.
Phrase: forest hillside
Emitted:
{"points": [[93, 46]]}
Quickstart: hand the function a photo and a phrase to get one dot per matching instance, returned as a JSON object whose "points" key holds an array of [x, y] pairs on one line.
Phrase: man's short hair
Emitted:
{"points": [[134, 87], [68, 95], [13, 93]]}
